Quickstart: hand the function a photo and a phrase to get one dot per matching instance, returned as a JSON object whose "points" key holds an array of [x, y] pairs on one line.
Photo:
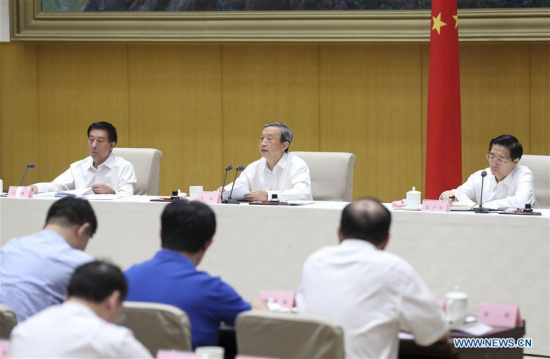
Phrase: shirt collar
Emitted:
{"points": [[109, 162], [358, 244], [508, 179], [168, 254], [282, 162]]}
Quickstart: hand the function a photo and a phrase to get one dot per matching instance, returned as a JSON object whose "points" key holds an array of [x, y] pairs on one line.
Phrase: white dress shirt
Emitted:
{"points": [[513, 191], [289, 179], [72, 330], [371, 294], [115, 172]]}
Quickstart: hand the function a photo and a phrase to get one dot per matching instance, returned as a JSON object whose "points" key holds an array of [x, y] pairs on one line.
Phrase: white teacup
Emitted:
{"points": [[456, 304], [414, 198], [209, 352]]}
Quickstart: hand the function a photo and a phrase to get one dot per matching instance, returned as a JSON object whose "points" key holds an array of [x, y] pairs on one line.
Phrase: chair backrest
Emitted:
{"points": [[158, 326], [540, 166], [281, 335], [8, 321], [146, 162], [331, 174]]}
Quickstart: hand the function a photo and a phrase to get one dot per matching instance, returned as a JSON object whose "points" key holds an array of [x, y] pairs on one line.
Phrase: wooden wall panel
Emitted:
{"points": [[370, 105], [264, 83], [175, 106], [495, 98], [540, 99], [19, 114], [78, 85]]}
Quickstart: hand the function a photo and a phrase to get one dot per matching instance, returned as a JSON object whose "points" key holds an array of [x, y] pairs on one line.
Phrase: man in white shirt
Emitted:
{"points": [[370, 293], [507, 183], [83, 326], [277, 172], [103, 172]]}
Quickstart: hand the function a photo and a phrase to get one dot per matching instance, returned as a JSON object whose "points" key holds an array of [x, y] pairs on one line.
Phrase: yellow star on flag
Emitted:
{"points": [[456, 21], [438, 24]]}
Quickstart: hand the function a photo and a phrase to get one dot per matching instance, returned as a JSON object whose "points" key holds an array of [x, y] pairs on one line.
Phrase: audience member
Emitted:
{"points": [[83, 326], [36, 268], [371, 293], [171, 276]]}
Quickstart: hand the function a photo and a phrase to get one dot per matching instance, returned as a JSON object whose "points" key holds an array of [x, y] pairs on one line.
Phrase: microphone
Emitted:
{"points": [[227, 169], [229, 200], [480, 209], [30, 165]]}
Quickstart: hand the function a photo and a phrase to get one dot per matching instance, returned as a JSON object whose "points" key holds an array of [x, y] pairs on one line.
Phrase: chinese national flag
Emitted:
{"points": [[444, 144]]}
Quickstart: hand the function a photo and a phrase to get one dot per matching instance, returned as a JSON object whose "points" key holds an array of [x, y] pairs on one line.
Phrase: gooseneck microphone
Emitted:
{"points": [[229, 200], [30, 165], [480, 209], [227, 169]]}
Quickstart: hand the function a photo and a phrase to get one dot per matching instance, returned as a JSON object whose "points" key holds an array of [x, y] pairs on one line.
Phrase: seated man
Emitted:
{"points": [[507, 184], [171, 276], [103, 172], [83, 326], [277, 171], [372, 294], [36, 268]]}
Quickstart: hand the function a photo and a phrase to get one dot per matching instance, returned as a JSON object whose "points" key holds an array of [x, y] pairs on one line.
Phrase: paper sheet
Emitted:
{"points": [[238, 193]]}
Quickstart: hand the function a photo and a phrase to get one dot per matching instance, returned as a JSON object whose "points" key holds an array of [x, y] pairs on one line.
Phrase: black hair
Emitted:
{"points": [[187, 226], [111, 130], [366, 219], [96, 281], [72, 211], [511, 143]]}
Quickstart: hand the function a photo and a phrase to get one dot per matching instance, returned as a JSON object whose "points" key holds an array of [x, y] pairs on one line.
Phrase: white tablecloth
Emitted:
{"points": [[492, 257]]}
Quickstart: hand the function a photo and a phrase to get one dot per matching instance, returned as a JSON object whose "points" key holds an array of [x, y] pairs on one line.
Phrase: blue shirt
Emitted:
{"points": [[35, 271], [171, 278]]}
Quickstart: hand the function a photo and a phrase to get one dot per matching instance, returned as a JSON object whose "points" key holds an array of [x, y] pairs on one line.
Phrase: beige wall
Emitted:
{"points": [[203, 105]]}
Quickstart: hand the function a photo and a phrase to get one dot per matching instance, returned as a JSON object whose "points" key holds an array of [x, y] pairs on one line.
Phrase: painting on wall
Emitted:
{"points": [[272, 5]]}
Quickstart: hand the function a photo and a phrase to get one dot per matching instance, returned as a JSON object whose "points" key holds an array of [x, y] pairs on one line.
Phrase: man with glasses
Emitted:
{"points": [[36, 268], [507, 184]]}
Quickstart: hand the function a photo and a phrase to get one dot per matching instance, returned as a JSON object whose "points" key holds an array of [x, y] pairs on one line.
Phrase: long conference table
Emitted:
{"points": [[494, 258]]}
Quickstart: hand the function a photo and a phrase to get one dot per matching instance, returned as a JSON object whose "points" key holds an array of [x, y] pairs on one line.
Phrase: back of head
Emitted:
{"points": [[96, 281], [511, 143], [70, 211], [102, 125], [286, 132], [187, 226], [366, 219]]}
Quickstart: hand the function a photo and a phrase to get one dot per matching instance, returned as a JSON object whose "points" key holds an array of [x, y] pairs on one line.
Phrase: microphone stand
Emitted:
{"points": [[230, 200], [30, 165], [227, 169], [480, 209]]}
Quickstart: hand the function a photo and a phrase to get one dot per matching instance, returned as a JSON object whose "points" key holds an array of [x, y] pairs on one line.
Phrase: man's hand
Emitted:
{"points": [[34, 189], [258, 304], [256, 195], [102, 188], [447, 196], [219, 189]]}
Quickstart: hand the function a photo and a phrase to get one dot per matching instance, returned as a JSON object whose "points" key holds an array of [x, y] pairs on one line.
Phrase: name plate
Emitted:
{"points": [[499, 315], [20, 192], [208, 197], [284, 298], [431, 205]]}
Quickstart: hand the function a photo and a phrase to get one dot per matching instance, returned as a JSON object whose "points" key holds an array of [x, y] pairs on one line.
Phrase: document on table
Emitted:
{"points": [[238, 193], [86, 193], [476, 328]]}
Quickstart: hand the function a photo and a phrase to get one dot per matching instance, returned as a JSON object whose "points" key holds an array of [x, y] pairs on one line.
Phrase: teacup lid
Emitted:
{"points": [[414, 191], [456, 294]]}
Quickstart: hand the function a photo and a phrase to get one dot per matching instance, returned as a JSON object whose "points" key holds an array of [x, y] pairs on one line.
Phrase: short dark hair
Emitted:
{"points": [[70, 211], [187, 226], [286, 132], [113, 137], [511, 143], [366, 219], [96, 281]]}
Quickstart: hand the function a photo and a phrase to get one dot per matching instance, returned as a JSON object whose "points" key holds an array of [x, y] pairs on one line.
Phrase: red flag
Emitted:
{"points": [[444, 144]]}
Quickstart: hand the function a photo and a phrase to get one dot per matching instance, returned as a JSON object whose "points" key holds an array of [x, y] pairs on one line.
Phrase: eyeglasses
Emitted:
{"points": [[491, 158]]}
